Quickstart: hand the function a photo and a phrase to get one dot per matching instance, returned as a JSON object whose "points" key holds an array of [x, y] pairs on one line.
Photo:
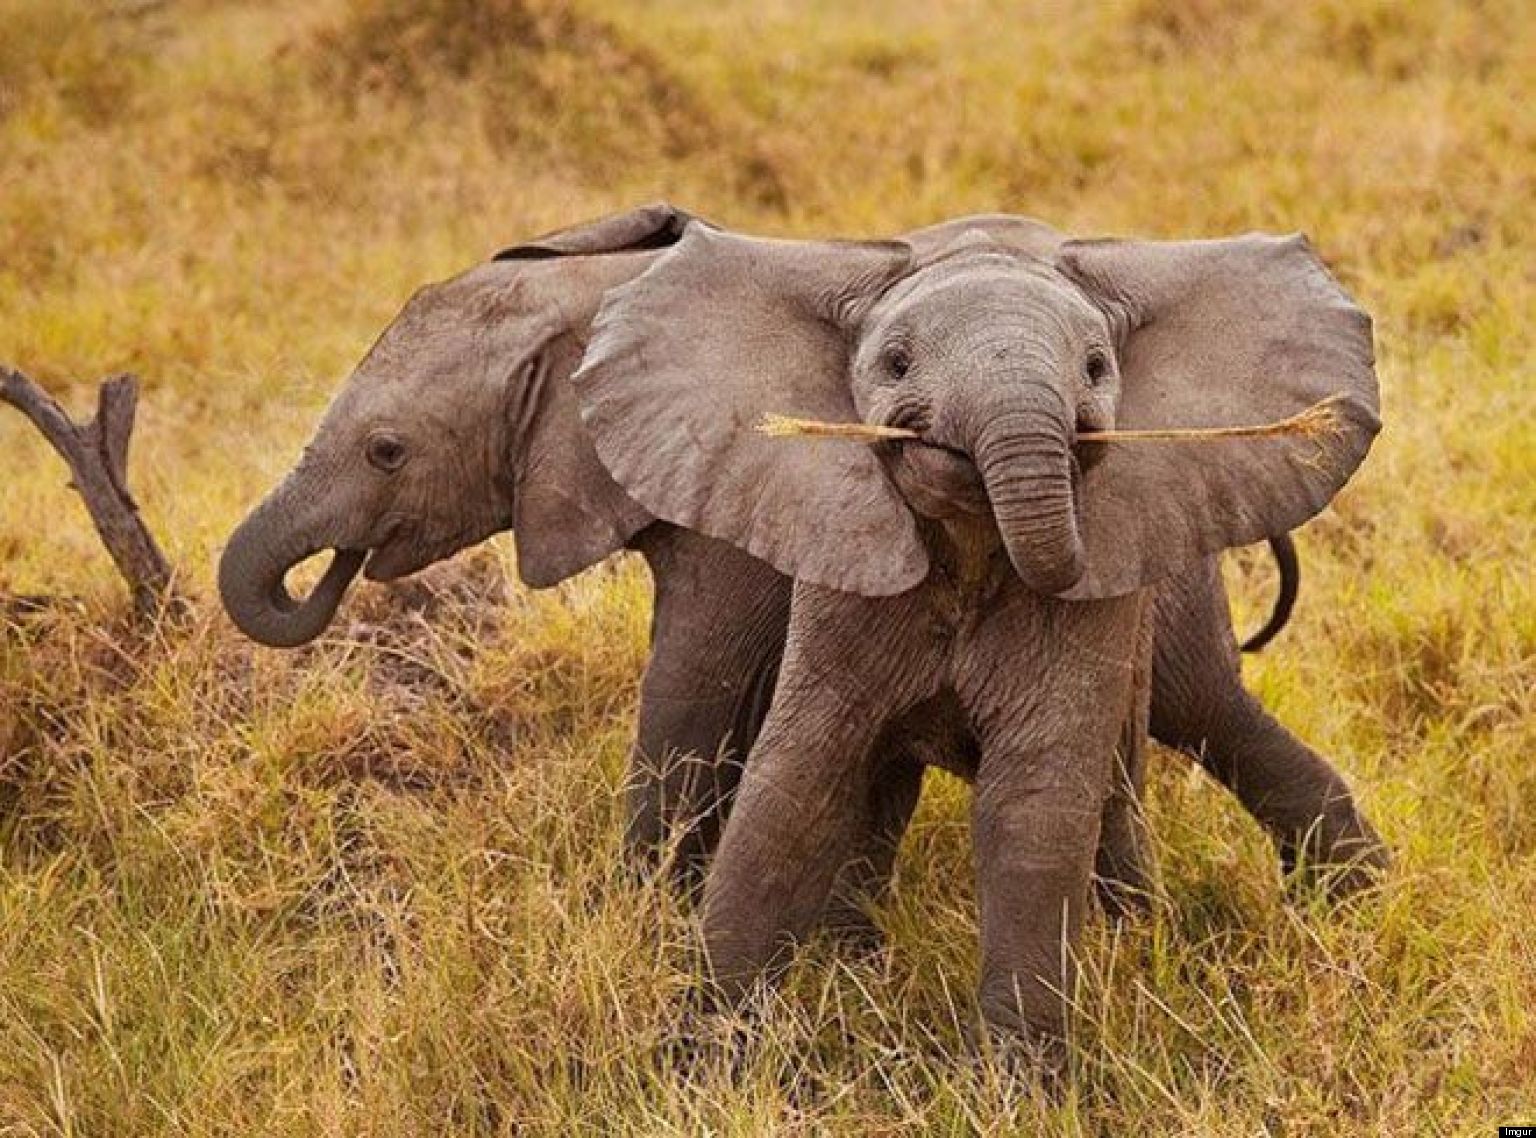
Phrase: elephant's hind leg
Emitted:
{"points": [[1199, 706], [716, 637], [884, 811], [1125, 869], [683, 770]]}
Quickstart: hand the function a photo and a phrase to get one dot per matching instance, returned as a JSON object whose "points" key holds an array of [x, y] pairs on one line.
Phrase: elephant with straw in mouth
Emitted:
{"points": [[991, 576]]}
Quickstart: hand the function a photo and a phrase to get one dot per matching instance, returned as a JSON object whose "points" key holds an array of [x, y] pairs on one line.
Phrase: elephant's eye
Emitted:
{"points": [[898, 361], [386, 451], [1096, 367]]}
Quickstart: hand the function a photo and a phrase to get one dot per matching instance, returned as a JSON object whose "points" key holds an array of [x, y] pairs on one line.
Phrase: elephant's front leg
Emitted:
{"points": [[1048, 731], [802, 813], [716, 636], [1035, 824], [1126, 869]]}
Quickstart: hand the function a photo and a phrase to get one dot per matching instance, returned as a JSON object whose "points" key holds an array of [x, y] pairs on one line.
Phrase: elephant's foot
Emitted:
{"points": [[1033, 1055], [1336, 861], [709, 1043]]}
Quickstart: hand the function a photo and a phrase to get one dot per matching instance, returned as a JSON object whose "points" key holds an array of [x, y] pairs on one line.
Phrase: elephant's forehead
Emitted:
{"points": [[455, 323], [485, 294], [417, 394], [981, 286], [512, 299], [422, 340], [416, 363], [992, 231]]}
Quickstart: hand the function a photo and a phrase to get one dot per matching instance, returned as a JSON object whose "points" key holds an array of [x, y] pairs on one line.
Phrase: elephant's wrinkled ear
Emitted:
{"points": [[686, 359], [1218, 333], [567, 511], [528, 323], [652, 226]]}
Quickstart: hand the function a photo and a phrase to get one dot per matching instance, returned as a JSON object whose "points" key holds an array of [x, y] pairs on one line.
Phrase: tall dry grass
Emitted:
{"points": [[371, 887]]}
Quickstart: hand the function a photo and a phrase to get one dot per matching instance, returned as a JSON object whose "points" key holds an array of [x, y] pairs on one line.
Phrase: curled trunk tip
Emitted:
{"points": [[251, 580]]}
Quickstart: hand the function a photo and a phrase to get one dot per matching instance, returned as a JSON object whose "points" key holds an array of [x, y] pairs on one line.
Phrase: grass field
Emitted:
{"points": [[371, 887]]}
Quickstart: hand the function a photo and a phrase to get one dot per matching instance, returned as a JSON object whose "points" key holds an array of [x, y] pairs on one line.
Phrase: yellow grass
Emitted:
{"points": [[370, 887]]}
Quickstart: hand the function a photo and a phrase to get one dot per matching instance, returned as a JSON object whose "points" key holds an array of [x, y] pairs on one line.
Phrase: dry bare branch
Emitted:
{"points": [[97, 455]]}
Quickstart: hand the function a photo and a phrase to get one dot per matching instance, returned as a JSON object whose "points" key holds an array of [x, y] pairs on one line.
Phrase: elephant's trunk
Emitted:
{"points": [[1023, 449], [270, 542]]}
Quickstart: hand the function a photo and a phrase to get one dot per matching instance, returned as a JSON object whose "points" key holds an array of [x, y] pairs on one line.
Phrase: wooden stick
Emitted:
{"points": [[1319, 419], [97, 454]]}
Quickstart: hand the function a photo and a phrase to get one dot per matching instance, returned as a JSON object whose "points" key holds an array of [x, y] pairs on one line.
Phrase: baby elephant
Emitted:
{"points": [[461, 422], [993, 578]]}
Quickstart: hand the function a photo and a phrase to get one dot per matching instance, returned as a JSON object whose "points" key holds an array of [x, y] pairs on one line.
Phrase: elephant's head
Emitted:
{"points": [[1000, 342], [458, 423]]}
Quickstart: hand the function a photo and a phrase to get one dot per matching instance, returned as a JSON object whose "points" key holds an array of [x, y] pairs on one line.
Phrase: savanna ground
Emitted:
{"points": [[371, 887]]}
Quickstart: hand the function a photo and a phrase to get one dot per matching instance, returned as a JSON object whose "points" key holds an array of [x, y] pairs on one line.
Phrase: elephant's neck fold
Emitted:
{"points": [[969, 563]]}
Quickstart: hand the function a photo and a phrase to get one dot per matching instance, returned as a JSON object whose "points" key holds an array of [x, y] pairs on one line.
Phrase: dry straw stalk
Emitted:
{"points": [[1322, 418]]}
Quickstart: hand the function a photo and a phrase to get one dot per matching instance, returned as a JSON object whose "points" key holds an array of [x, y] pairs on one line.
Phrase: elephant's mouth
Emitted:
{"points": [[394, 559], [940, 481], [407, 547], [1085, 456], [388, 561], [937, 481]]}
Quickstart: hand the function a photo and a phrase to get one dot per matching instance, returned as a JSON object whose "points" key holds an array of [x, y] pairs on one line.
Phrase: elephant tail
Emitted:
{"points": [[1286, 561]]}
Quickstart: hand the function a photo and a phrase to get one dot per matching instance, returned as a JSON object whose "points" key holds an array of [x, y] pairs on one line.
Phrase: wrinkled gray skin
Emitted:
{"points": [[460, 423], [990, 585]]}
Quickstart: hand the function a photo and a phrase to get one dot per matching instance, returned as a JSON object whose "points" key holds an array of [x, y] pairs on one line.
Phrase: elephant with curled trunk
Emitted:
{"points": [[993, 581], [461, 422]]}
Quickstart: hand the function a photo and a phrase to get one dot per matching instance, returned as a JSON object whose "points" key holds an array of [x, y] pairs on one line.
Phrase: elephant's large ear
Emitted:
{"points": [[686, 359], [653, 226], [568, 513], [1218, 333]]}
